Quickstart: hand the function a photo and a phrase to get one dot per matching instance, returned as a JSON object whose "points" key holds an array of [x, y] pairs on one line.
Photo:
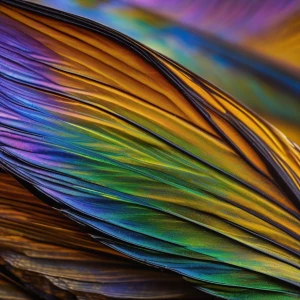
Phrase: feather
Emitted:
{"points": [[268, 86], [162, 165], [52, 256]]}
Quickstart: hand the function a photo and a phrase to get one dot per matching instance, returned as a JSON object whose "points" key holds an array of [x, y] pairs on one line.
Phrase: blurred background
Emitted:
{"points": [[248, 48]]}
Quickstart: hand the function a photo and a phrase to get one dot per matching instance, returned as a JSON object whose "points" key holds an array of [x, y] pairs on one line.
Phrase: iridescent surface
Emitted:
{"points": [[172, 170], [247, 48], [232, 20], [54, 255]]}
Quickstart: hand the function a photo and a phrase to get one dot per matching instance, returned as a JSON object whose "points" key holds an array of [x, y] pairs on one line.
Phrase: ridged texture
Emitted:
{"points": [[244, 67], [52, 256], [248, 48], [172, 170]]}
